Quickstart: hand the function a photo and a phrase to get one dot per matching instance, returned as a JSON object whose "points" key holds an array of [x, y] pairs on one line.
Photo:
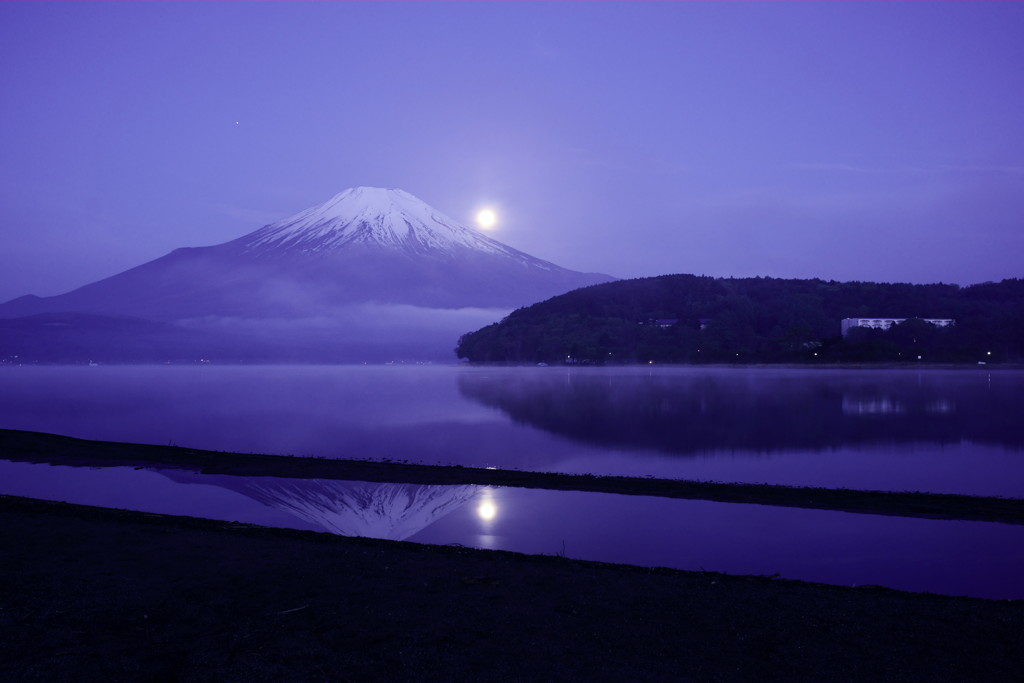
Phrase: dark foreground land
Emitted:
{"points": [[94, 594]]}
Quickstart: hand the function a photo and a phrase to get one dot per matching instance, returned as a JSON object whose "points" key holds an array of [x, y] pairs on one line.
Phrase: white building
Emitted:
{"points": [[886, 323]]}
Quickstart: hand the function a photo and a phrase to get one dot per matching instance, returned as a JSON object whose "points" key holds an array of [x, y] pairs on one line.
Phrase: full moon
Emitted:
{"points": [[486, 218]]}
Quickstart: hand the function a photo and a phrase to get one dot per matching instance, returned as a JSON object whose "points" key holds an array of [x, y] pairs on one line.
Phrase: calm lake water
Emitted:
{"points": [[980, 559], [954, 431], [957, 431]]}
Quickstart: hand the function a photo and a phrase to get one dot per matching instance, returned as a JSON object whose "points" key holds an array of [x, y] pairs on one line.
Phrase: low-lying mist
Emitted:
{"points": [[365, 332]]}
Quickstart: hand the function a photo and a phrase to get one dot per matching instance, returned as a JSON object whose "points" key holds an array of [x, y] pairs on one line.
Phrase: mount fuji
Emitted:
{"points": [[369, 269]]}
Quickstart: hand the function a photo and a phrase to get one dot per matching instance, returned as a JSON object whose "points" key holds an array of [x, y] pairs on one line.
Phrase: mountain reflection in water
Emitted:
{"points": [[720, 409], [350, 508]]}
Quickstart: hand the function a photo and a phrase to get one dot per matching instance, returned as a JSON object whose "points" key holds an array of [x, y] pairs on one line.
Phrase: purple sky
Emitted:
{"points": [[849, 141]]}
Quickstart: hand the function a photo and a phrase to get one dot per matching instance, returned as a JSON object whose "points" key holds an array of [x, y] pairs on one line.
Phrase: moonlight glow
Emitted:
{"points": [[487, 511], [486, 218]]}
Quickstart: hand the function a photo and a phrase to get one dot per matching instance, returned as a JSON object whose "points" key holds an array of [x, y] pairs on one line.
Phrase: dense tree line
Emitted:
{"points": [[697, 319]]}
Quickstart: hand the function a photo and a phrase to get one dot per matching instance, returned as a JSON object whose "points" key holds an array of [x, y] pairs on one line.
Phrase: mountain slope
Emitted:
{"points": [[362, 245], [374, 216]]}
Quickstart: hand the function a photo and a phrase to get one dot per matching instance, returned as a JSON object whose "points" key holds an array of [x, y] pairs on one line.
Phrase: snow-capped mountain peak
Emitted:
{"points": [[364, 246], [371, 216]]}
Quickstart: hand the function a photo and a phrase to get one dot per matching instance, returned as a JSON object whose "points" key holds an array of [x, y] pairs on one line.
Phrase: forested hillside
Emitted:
{"points": [[695, 319]]}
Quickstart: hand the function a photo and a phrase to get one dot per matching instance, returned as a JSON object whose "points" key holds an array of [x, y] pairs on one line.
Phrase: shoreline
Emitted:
{"points": [[887, 365], [37, 447]]}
